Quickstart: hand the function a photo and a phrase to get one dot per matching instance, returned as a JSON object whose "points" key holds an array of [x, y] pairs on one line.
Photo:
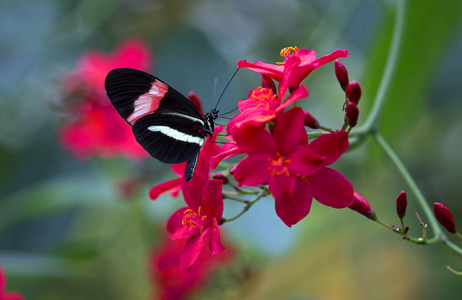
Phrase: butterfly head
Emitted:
{"points": [[210, 118]]}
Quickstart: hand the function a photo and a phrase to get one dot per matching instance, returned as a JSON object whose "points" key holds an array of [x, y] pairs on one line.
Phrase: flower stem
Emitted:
{"points": [[412, 184], [454, 271], [372, 121], [248, 205]]}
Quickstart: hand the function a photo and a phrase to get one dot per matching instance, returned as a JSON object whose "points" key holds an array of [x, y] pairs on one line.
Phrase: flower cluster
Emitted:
{"points": [[282, 156], [92, 126]]}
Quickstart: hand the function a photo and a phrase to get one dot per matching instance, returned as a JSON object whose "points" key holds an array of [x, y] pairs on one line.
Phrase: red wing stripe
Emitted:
{"points": [[147, 103]]}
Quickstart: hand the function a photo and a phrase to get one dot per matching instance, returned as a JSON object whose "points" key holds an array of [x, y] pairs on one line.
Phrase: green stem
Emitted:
{"points": [[454, 271], [372, 120], [412, 184], [248, 205]]}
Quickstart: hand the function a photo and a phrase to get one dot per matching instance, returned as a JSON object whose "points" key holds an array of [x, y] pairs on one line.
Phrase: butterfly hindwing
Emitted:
{"points": [[170, 137]]}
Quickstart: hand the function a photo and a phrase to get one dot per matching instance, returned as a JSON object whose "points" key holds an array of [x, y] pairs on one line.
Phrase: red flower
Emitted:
{"points": [[98, 130], [3, 294], [198, 222], [295, 171], [171, 281], [93, 67], [297, 65], [94, 127], [263, 106], [444, 216]]}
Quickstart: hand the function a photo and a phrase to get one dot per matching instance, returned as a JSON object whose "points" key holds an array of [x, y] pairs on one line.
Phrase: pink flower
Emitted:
{"points": [[295, 171], [93, 127], [263, 106], [3, 294], [93, 67], [171, 281], [198, 222], [97, 130], [444, 216], [297, 65]]}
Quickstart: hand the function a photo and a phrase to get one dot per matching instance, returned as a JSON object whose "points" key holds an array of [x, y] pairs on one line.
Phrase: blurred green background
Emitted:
{"points": [[66, 232]]}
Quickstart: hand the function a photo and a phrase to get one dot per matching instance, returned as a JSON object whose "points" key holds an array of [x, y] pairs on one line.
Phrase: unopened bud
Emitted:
{"points": [[267, 82], [352, 113], [220, 176], [310, 121], [342, 74], [353, 92], [444, 216], [401, 204], [362, 206]]}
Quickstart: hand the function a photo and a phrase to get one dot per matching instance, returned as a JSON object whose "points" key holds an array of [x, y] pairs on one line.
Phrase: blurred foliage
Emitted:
{"points": [[66, 231]]}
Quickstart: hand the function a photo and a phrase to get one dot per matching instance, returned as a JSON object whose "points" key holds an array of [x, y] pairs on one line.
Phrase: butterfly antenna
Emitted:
{"points": [[226, 88], [221, 115]]}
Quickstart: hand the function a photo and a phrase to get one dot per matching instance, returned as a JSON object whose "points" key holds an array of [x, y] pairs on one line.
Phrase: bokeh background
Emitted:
{"points": [[69, 229]]}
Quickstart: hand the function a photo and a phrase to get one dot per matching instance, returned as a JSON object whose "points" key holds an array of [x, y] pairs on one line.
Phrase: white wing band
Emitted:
{"points": [[177, 135]]}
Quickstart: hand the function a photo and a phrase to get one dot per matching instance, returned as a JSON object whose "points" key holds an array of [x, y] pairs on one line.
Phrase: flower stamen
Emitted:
{"points": [[286, 52], [279, 165]]}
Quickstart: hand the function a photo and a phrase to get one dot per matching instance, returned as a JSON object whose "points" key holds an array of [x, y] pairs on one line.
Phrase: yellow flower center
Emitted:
{"points": [[279, 165], [264, 97], [191, 219]]}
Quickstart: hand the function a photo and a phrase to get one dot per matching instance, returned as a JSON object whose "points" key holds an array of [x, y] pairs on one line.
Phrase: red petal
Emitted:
{"points": [[252, 170], [304, 161], [290, 66], [254, 140], [227, 151], [299, 93], [215, 244], [213, 199], [332, 56], [289, 130], [164, 187], [193, 248], [273, 71], [331, 146], [292, 198], [331, 188]]}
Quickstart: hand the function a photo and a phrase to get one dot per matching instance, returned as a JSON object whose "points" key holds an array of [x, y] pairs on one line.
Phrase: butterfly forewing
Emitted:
{"points": [[165, 123]]}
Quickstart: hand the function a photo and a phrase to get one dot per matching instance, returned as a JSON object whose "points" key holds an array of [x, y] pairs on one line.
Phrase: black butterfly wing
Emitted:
{"points": [[164, 122], [135, 94], [169, 136]]}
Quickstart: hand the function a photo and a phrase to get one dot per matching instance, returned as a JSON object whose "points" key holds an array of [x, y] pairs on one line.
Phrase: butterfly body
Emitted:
{"points": [[165, 123]]}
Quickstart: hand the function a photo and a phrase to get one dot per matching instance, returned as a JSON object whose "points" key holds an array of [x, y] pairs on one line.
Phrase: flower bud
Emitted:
{"points": [[444, 216], [220, 177], [352, 113], [267, 82], [362, 206], [342, 74], [353, 92], [401, 204], [310, 121]]}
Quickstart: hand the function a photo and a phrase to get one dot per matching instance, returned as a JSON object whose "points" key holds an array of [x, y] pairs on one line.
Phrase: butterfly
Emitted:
{"points": [[165, 123]]}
